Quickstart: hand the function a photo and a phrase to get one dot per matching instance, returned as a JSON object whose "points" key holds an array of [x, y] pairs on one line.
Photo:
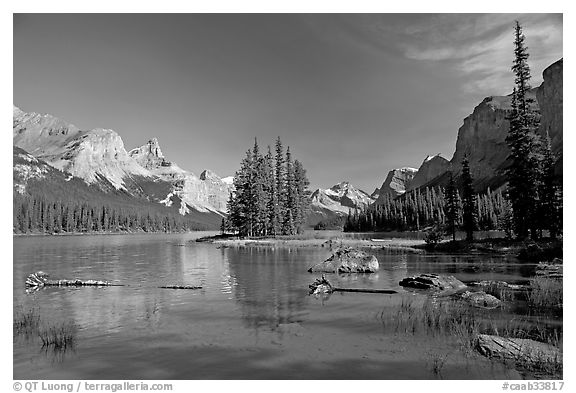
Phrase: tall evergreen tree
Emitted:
{"points": [[469, 214], [302, 197], [280, 183], [452, 206], [272, 228], [551, 200], [524, 172], [290, 200]]}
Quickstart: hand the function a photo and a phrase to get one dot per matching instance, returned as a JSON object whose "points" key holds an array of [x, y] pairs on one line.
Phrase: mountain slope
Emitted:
{"points": [[396, 182], [90, 155], [33, 177], [337, 200], [205, 193], [99, 158], [482, 136]]}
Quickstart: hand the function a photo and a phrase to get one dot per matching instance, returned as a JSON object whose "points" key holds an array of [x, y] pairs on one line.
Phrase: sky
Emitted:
{"points": [[353, 95]]}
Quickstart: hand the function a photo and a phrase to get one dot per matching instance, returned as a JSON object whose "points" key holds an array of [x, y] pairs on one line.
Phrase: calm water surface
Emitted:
{"points": [[253, 319]]}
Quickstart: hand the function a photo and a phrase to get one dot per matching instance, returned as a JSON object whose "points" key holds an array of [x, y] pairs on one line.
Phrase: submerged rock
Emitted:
{"points": [[526, 351], [432, 281], [481, 299], [347, 260]]}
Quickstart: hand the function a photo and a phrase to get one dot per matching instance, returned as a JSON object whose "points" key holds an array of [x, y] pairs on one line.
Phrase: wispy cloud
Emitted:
{"points": [[480, 47]]}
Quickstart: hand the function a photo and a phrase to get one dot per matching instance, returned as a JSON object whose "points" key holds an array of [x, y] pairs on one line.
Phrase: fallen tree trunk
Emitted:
{"points": [[364, 290], [40, 279], [180, 287], [321, 285]]}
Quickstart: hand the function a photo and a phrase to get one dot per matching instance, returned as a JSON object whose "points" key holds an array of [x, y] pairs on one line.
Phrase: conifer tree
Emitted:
{"points": [[551, 201], [302, 197], [290, 200], [469, 214], [524, 172], [280, 183], [272, 196], [452, 206]]}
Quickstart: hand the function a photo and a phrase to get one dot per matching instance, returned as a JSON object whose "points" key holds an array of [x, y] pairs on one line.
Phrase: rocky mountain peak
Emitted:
{"points": [[207, 174], [396, 183], [149, 155], [432, 167]]}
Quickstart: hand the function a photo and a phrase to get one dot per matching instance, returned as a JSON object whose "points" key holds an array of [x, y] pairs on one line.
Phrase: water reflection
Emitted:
{"points": [[268, 285], [253, 302]]}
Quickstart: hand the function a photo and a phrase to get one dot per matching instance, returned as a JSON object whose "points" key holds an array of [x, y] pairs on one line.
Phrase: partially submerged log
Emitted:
{"points": [[175, 286], [40, 279], [323, 286]]}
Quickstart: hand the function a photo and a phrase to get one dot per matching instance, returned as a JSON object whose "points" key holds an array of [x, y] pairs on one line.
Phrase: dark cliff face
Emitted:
{"points": [[482, 137], [431, 168], [396, 183], [549, 97]]}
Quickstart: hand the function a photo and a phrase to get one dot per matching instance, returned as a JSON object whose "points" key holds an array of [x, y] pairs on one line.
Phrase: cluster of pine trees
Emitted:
{"points": [[420, 209], [271, 195], [37, 214], [535, 197]]}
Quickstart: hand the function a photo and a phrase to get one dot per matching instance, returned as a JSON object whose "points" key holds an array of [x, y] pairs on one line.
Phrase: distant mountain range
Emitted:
{"points": [[99, 159], [56, 156]]}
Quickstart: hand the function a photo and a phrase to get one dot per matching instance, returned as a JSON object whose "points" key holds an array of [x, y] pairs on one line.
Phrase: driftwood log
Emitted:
{"points": [[322, 285], [40, 279]]}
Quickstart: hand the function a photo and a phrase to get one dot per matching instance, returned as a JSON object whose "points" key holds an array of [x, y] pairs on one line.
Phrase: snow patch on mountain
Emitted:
{"points": [[90, 155], [340, 199], [207, 193]]}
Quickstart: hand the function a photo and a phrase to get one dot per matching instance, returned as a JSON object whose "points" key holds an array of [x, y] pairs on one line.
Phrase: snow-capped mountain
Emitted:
{"points": [[337, 200], [92, 155], [99, 158], [396, 183], [205, 193]]}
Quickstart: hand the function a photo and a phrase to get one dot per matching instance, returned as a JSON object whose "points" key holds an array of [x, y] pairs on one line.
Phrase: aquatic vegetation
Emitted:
{"points": [[60, 336], [545, 293], [26, 322]]}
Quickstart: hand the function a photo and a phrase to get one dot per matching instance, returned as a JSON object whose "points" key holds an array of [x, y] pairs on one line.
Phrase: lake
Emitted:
{"points": [[252, 319]]}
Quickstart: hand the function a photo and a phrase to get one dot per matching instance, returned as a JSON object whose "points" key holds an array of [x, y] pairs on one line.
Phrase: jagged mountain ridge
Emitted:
{"points": [[205, 193], [337, 200], [99, 158], [34, 177]]}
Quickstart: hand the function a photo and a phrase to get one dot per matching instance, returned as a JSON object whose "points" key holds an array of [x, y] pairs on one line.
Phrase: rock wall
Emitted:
{"points": [[396, 183], [431, 168], [549, 96], [482, 137]]}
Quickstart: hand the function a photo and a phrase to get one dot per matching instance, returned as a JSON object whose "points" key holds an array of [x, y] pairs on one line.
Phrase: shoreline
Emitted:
{"points": [[392, 243]]}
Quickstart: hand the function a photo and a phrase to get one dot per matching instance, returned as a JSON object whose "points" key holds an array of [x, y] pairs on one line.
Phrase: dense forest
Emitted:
{"points": [[271, 194], [419, 209], [35, 214]]}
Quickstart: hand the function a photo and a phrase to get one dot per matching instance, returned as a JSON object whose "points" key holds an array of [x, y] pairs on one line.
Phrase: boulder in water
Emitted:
{"points": [[432, 281], [527, 352], [481, 299], [347, 260]]}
